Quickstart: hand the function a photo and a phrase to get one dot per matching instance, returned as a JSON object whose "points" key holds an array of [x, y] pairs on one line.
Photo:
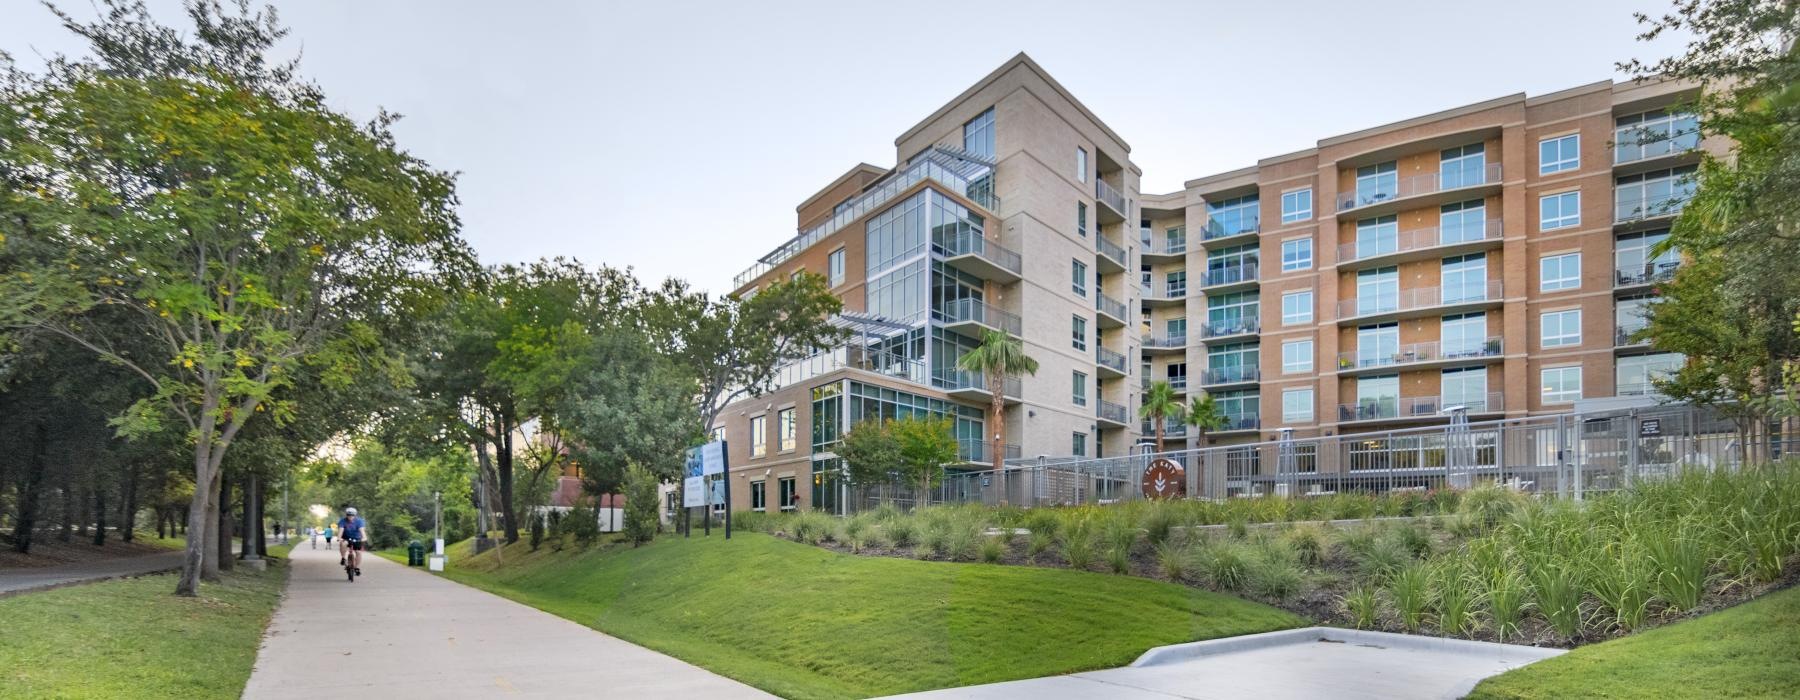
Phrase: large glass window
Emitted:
{"points": [[837, 267], [1560, 328], [1465, 386], [1652, 194], [1297, 307], [1558, 272], [1081, 166], [1233, 216], [1465, 278], [1634, 263], [1240, 408], [1377, 236], [1654, 133], [1297, 356], [1637, 374], [1558, 154], [1176, 327], [790, 495], [1078, 333], [872, 402], [1465, 335], [1377, 182], [1378, 345], [897, 234], [978, 134], [1378, 397], [1232, 312], [1233, 264], [784, 424], [1630, 316], [1296, 206], [1297, 405], [1175, 283], [1562, 384], [1233, 362], [1177, 375], [1296, 254], [759, 499], [1560, 210], [1463, 166], [759, 436], [1377, 290], [1461, 222]]}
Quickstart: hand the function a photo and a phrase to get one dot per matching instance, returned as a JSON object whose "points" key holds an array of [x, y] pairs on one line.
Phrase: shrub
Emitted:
{"points": [[1382, 558], [1454, 595], [1174, 559], [1309, 543], [1037, 542], [1415, 540], [1077, 548], [1681, 573], [1159, 522], [1274, 576], [902, 531], [1490, 505], [992, 549], [1622, 579], [1118, 559], [537, 532], [642, 505], [1507, 593], [582, 522], [856, 532], [1238, 527], [1361, 604], [1558, 591], [1041, 520], [1408, 588], [1226, 565]]}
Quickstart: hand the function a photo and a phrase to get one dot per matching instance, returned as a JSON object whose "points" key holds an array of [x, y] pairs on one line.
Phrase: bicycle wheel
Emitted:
{"points": [[351, 573]]}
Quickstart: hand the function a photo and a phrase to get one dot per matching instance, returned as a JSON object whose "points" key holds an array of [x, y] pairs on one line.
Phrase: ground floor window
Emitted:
{"points": [[758, 496], [789, 496]]}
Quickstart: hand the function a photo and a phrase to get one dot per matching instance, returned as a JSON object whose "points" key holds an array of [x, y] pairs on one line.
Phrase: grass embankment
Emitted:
{"points": [[1750, 651], [131, 638], [803, 622]]}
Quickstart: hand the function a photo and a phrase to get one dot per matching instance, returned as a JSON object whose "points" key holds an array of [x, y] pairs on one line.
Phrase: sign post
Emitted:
{"points": [[703, 463]]}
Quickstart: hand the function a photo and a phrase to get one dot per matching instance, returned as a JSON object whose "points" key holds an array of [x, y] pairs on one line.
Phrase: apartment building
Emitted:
{"points": [[1490, 260]]}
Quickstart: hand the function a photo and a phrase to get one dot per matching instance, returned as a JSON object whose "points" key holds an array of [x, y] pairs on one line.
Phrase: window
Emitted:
{"points": [[1078, 333], [1464, 278], [1233, 216], [1465, 335], [1558, 154], [1637, 374], [1081, 164], [1296, 255], [1176, 329], [1296, 206], [759, 436], [1378, 397], [1081, 219], [1078, 277], [1377, 236], [1297, 405], [1561, 328], [784, 422], [1562, 384], [759, 497], [1296, 307], [837, 267], [1461, 222], [1465, 386], [1559, 272], [795, 275], [1175, 283], [790, 496], [1079, 396], [1463, 166], [1653, 194], [1378, 345], [1178, 375], [1652, 134], [1237, 362], [1233, 313], [1296, 356], [1559, 210], [978, 134], [1633, 262], [1078, 444], [1377, 290], [1377, 182]]}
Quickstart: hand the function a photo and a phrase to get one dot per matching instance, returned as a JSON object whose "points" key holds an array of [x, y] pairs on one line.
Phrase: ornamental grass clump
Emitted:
{"points": [[1226, 564], [1362, 605], [1174, 558], [1409, 589], [1453, 595], [1309, 543], [1077, 543], [1557, 589]]}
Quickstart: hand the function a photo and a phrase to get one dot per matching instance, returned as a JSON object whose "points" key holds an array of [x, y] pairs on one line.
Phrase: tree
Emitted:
{"points": [[926, 445], [220, 204], [999, 356], [871, 452], [642, 508], [1160, 405], [628, 405], [1204, 415]]}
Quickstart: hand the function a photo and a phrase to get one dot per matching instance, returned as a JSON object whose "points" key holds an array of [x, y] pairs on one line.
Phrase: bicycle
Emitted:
{"points": [[352, 558]]}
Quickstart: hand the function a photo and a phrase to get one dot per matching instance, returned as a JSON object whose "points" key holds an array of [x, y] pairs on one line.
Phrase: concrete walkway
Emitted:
{"points": [[23, 580], [403, 633]]}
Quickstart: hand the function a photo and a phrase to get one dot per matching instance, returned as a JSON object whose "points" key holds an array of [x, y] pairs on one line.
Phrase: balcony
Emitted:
{"points": [[971, 317], [1636, 208], [1112, 311], [1409, 303], [1637, 389], [1654, 272], [1172, 429], [1226, 376], [1168, 248], [1656, 142], [1112, 364], [1430, 189], [1111, 415], [1156, 344], [1111, 201], [1169, 294], [975, 254], [1363, 360], [1622, 335], [1178, 384], [1231, 328], [1112, 255], [1229, 277], [1416, 407], [975, 451], [1240, 422], [973, 386], [1220, 231], [1421, 244]]}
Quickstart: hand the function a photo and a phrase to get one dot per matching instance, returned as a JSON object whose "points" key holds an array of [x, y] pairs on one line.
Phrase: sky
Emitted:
{"points": [[677, 137]]}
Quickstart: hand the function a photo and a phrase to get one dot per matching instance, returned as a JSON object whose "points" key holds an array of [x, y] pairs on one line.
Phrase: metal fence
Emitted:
{"points": [[1570, 456]]}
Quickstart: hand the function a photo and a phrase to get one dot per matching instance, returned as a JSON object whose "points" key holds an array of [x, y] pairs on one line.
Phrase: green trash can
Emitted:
{"points": [[415, 554]]}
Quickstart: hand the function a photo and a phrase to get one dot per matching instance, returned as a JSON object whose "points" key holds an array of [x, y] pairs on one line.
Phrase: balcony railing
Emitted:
{"points": [[934, 165], [1230, 375], [1622, 334], [1240, 326], [1638, 389], [1178, 383], [1110, 306], [852, 357], [1109, 249], [1416, 299], [964, 380], [1241, 421], [1165, 342], [1171, 428], [1629, 207], [1419, 185], [1415, 353], [1637, 142], [1231, 274], [1417, 406], [1421, 239], [1110, 197], [1109, 411], [973, 243], [1166, 292], [1220, 229], [1648, 273], [976, 450], [974, 311], [1166, 244], [1109, 358]]}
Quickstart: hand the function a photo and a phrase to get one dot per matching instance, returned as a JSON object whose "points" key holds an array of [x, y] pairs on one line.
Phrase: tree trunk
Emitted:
{"points": [[68, 509], [162, 518], [997, 388], [195, 565], [29, 489], [99, 515], [504, 458], [128, 518], [247, 548], [1159, 433]]}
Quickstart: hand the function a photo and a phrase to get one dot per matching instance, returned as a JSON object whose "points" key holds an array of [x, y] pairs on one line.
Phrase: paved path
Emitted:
{"points": [[22, 580], [403, 633]]}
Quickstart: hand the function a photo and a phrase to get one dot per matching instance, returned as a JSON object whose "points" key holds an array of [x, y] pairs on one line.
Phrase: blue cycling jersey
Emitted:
{"points": [[350, 528]]}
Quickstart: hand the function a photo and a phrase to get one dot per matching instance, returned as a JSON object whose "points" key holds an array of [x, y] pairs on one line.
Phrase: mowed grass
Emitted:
{"points": [[1749, 651], [803, 622], [131, 638]]}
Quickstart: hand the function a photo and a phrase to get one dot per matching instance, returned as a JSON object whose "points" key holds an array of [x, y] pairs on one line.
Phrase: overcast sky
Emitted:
{"points": [[677, 137]]}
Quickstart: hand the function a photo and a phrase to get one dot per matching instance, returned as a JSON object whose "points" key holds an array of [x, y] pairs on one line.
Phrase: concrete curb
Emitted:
{"points": [[1176, 653]]}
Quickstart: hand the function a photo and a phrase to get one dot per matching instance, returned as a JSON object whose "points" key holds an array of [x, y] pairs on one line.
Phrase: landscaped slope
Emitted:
{"points": [[804, 622], [1749, 651]]}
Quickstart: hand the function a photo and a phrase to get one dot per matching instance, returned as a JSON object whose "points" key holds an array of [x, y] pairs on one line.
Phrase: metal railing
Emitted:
{"points": [[973, 243], [1622, 334], [1109, 249], [1218, 229], [851, 357], [1241, 326], [975, 311], [964, 380], [1214, 376], [1629, 207], [1165, 342], [1110, 197], [1110, 306], [1230, 274], [1648, 273], [1109, 411], [1167, 292], [1455, 178], [975, 450], [1167, 244], [1673, 134], [1111, 359], [1422, 239], [1417, 406], [1416, 353], [1178, 383], [1171, 429], [1417, 299]]}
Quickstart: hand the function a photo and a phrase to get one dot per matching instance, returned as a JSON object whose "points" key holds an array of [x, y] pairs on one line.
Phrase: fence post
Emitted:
{"points": [[1632, 423]]}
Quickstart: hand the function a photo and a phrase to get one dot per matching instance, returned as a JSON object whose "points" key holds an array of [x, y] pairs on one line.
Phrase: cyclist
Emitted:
{"points": [[352, 532]]}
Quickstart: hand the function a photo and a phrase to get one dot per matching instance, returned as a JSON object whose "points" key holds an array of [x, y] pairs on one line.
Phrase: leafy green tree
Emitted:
{"points": [[1204, 414], [871, 452], [999, 356], [926, 445], [629, 404], [642, 508], [1160, 406], [219, 202]]}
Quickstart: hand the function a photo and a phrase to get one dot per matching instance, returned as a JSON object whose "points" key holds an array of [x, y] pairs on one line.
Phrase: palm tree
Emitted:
{"points": [[1204, 415], [999, 356], [1159, 406]]}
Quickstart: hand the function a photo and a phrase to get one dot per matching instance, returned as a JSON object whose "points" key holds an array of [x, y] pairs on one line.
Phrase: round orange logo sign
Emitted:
{"points": [[1164, 479]]}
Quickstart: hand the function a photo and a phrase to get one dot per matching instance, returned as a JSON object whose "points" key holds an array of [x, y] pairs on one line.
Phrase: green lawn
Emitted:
{"points": [[803, 622], [133, 638], [1749, 651]]}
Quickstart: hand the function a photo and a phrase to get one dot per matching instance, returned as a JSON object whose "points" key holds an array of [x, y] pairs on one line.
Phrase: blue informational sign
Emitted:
{"points": [[701, 462]]}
